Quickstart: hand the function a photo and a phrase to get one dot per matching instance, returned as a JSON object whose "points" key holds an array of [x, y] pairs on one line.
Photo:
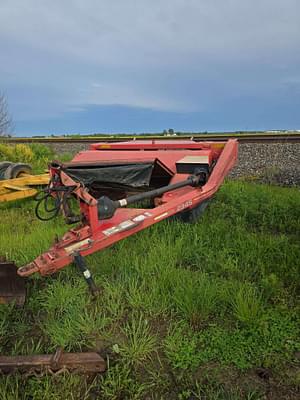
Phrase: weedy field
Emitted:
{"points": [[204, 311]]}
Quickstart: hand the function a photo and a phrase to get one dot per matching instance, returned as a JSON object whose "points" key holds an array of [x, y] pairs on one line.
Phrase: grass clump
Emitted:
{"points": [[120, 384], [247, 304], [113, 299], [140, 343], [196, 297]]}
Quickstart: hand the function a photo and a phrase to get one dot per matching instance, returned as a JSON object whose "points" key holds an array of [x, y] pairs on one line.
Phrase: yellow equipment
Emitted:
{"points": [[21, 187]]}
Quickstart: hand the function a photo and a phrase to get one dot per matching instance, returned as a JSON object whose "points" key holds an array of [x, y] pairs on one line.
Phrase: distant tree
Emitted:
{"points": [[171, 131], [165, 132], [5, 118]]}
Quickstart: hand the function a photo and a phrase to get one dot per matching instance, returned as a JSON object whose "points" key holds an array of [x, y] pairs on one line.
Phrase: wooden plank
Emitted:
{"points": [[80, 362]]}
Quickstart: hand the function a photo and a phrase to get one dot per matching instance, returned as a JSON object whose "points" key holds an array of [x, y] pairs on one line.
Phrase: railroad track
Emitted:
{"points": [[243, 138]]}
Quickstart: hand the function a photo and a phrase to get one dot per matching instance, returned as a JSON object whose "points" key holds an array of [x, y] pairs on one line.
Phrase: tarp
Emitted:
{"points": [[133, 175]]}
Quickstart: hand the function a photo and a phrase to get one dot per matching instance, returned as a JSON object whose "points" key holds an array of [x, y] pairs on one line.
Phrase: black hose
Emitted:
{"points": [[43, 200], [47, 201], [60, 200]]}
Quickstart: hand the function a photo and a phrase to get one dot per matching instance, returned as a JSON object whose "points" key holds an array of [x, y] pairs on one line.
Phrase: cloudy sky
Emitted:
{"points": [[146, 65]]}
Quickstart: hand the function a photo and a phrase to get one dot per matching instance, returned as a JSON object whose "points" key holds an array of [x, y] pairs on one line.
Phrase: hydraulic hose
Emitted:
{"points": [[60, 201]]}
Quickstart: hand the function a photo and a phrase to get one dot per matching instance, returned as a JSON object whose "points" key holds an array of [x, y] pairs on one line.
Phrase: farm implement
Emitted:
{"points": [[110, 180], [17, 181]]}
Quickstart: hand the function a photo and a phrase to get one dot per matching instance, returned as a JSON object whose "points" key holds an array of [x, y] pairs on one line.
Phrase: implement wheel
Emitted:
{"points": [[16, 170], [3, 166]]}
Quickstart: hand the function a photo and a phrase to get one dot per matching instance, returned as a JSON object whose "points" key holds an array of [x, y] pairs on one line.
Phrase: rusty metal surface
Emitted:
{"points": [[12, 286], [59, 361]]}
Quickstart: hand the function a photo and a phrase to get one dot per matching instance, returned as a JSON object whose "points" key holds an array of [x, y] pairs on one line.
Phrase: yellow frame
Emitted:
{"points": [[20, 188]]}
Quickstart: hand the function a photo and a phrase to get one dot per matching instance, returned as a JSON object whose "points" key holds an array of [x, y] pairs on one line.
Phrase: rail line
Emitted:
{"points": [[243, 138]]}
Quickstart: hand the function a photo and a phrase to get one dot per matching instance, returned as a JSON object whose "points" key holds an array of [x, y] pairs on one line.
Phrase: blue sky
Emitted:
{"points": [[144, 66]]}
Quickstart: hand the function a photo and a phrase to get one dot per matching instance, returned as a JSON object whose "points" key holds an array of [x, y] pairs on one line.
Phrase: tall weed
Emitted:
{"points": [[196, 297], [247, 304], [140, 342]]}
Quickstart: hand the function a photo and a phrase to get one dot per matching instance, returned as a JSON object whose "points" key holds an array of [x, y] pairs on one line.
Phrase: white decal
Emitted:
{"points": [[139, 218], [110, 231], [130, 223], [126, 224], [87, 274], [184, 205]]}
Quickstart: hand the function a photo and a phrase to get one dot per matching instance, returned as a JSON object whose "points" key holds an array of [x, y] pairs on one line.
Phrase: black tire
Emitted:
{"points": [[3, 166], [16, 169], [191, 216]]}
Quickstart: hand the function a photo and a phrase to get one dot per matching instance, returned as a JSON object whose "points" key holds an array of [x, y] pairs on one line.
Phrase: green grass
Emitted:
{"points": [[140, 342], [196, 297], [185, 312], [246, 305]]}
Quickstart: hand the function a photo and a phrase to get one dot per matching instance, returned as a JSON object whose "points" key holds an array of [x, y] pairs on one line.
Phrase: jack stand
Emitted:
{"points": [[81, 265]]}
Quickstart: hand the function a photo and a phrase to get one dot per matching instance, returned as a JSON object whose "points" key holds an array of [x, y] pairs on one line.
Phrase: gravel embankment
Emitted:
{"points": [[275, 163], [71, 148]]}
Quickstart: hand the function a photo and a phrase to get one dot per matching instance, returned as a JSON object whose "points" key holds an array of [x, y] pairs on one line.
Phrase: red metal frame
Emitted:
{"points": [[95, 234]]}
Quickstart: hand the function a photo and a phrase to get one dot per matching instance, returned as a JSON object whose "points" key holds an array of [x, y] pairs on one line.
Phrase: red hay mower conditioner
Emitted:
{"points": [[176, 176]]}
